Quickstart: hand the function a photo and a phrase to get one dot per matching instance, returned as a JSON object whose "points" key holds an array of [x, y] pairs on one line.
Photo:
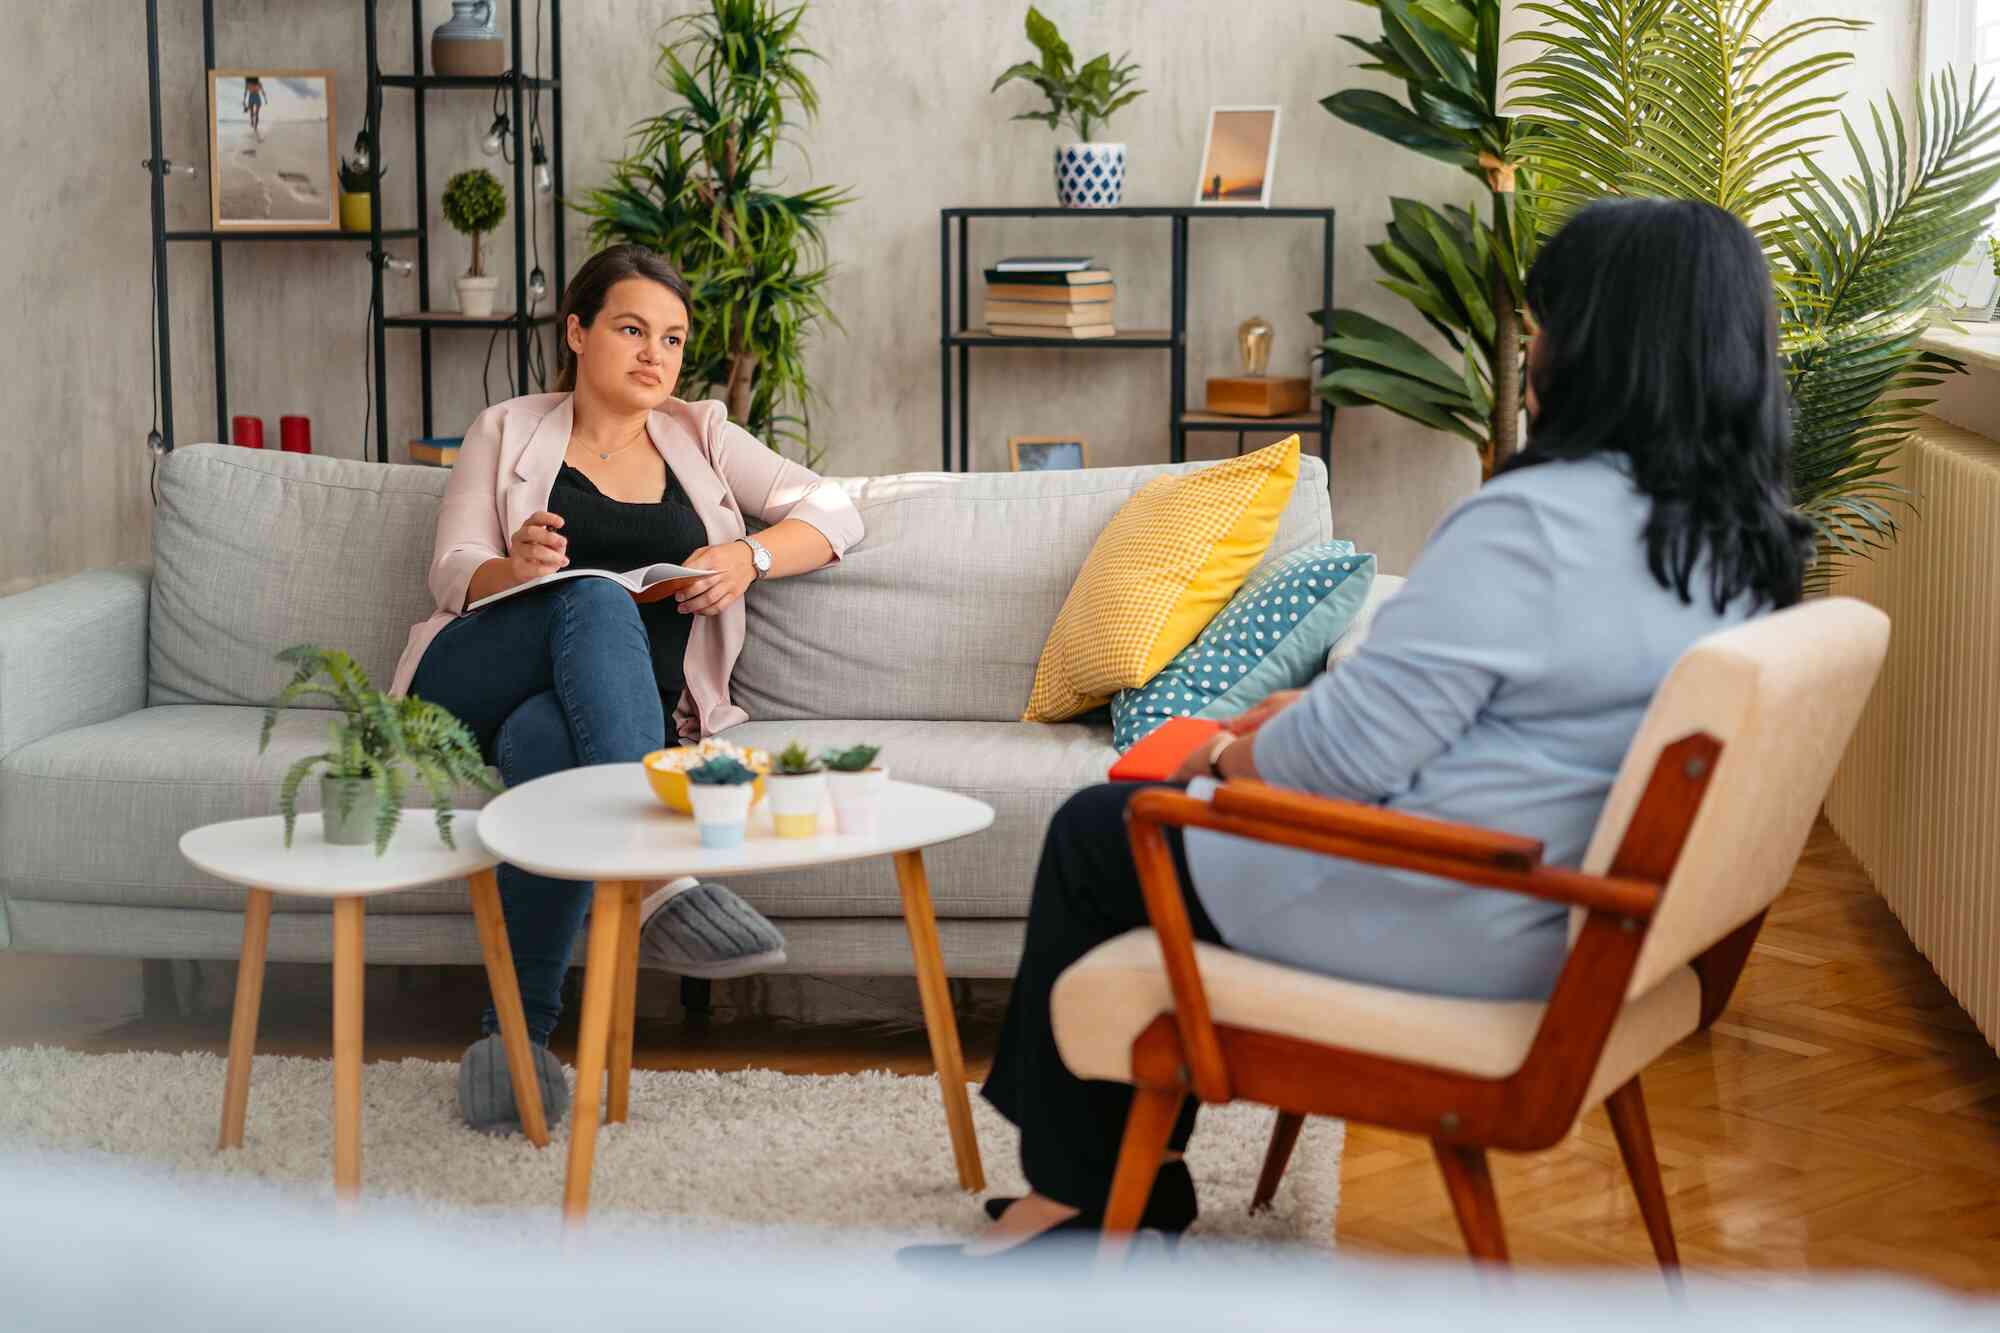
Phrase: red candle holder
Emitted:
{"points": [[247, 431], [295, 435]]}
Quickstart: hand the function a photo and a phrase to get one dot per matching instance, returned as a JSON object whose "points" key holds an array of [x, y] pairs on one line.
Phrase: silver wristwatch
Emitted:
{"points": [[760, 559]]}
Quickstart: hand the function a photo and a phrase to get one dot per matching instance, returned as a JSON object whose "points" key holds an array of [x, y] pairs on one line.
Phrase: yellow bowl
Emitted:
{"points": [[671, 785]]}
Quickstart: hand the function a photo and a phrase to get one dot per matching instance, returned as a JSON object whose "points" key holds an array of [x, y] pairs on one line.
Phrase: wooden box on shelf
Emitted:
{"points": [[1257, 395]]}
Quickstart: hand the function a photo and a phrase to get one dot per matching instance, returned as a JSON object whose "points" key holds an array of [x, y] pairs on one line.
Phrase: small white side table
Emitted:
{"points": [[603, 824], [252, 852]]}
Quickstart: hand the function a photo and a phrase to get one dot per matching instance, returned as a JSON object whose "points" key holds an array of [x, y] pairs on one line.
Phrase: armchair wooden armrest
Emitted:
{"points": [[1372, 823]]}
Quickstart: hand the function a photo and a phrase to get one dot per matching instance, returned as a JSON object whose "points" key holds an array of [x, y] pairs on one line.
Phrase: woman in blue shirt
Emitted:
{"points": [[1500, 687]]}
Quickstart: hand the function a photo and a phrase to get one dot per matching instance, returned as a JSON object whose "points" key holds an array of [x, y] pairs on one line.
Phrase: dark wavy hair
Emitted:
{"points": [[1659, 341], [587, 290]]}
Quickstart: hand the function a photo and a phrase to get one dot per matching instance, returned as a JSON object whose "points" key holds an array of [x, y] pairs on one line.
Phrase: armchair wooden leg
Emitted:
{"points": [[243, 1023], [1469, 1181], [624, 1016], [1635, 1144], [506, 988], [1148, 1127], [1284, 1137]]}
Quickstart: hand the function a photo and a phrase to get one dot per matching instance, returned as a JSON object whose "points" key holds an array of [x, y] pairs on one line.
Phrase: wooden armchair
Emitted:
{"points": [[1701, 831]]}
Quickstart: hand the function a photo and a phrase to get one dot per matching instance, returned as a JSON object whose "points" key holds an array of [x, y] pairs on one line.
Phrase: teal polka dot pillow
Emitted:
{"points": [[1274, 635]]}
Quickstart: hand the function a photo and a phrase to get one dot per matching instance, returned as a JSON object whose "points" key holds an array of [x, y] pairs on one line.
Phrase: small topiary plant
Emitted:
{"points": [[853, 759], [721, 771], [795, 761], [373, 738], [474, 202]]}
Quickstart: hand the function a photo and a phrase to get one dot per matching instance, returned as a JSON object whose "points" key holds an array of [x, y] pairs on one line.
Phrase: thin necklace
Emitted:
{"points": [[603, 456]]}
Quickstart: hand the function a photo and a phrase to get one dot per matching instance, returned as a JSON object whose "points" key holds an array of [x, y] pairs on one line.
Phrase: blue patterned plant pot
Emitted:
{"points": [[1090, 175]]}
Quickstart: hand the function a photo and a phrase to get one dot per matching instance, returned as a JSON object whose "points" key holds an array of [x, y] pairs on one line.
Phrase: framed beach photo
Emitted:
{"points": [[1238, 157], [271, 152], [1046, 453]]}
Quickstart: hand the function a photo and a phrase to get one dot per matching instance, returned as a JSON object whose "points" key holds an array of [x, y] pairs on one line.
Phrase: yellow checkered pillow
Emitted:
{"points": [[1166, 563]]}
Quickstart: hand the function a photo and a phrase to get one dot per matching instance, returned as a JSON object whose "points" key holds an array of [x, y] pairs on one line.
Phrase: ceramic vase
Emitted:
{"points": [[721, 812], [1090, 175], [475, 295], [467, 45], [358, 829], [795, 802], [857, 800]]}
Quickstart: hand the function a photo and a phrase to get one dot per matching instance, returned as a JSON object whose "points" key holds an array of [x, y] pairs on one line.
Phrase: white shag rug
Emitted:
{"points": [[702, 1152]]}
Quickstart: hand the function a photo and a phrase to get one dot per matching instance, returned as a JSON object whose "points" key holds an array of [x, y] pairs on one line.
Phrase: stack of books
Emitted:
{"points": [[1049, 296]]}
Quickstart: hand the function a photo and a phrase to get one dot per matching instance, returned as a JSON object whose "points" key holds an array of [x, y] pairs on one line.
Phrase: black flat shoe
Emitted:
{"points": [[1065, 1245], [1171, 1208]]}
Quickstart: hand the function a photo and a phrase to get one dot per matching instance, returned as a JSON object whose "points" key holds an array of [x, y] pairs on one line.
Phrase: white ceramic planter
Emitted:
{"points": [[1090, 175], [795, 802], [475, 295], [857, 800], [720, 812], [358, 829]]}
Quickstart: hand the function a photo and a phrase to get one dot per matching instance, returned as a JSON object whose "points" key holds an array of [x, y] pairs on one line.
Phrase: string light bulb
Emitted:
{"points": [[544, 181], [538, 285], [496, 136]]}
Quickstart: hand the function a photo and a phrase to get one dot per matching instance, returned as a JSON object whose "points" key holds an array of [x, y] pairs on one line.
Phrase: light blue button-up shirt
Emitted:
{"points": [[1501, 687]]}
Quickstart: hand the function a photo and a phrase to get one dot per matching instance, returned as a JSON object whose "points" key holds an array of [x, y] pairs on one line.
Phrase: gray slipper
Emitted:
{"points": [[486, 1088], [707, 931]]}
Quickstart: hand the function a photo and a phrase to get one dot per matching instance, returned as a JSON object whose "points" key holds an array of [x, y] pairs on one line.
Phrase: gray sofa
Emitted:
{"points": [[130, 700]]}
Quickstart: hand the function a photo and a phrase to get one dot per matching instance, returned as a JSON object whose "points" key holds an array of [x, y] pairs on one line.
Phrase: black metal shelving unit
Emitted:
{"points": [[423, 320], [955, 333]]}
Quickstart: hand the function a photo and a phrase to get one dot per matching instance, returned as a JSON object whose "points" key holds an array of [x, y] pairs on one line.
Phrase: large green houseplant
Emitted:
{"points": [[371, 740], [696, 187]]}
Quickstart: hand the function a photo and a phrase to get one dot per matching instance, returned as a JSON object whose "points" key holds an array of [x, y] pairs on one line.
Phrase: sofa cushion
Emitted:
{"points": [[1275, 634], [1158, 573], [1025, 771], [254, 551], [96, 814], [942, 609]]}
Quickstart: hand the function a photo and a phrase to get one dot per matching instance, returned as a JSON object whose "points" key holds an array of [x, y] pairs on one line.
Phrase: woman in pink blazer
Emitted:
{"points": [[612, 472]]}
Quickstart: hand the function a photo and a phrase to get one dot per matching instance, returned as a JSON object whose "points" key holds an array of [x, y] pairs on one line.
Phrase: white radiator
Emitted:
{"points": [[1918, 796]]}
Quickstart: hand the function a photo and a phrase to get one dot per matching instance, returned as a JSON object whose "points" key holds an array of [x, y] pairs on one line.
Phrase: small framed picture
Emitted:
{"points": [[271, 152], [1238, 157], [1046, 453]]}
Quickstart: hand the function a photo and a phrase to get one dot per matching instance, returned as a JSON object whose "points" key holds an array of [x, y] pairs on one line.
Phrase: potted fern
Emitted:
{"points": [[856, 783], [474, 203], [797, 786], [370, 744], [1089, 174]]}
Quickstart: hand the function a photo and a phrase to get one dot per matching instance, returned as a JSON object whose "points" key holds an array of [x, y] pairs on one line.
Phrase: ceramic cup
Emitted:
{"points": [[720, 812], [795, 802], [857, 800]]}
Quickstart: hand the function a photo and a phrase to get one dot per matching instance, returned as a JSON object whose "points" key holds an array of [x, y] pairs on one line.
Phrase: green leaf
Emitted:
{"points": [[1382, 115]]}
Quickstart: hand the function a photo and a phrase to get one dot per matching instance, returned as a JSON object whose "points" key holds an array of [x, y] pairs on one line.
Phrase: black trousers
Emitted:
{"points": [[1086, 892]]}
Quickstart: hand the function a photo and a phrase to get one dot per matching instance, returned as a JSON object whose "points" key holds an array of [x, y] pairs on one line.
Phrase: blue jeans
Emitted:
{"points": [[554, 679]]}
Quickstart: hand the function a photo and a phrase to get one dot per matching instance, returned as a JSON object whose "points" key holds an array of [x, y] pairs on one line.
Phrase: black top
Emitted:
{"points": [[618, 535]]}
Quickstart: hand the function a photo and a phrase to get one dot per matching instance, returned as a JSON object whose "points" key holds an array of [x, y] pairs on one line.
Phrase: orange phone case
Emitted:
{"points": [[1160, 755]]}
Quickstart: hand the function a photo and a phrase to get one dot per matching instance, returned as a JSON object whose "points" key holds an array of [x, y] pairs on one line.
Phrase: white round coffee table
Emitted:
{"points": [[603, 824], [252, 852]]}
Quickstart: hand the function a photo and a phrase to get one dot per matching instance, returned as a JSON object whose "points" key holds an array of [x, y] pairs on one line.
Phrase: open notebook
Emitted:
{"points": [[646, 584]]}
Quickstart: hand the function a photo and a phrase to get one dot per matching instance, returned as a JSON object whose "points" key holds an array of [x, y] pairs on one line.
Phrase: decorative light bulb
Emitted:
{"points": [[538, 284], [397, 264], [545, 183], [156, 444], [496, 136]]}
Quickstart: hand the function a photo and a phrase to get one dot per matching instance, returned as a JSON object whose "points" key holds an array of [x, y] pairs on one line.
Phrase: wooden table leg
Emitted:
{"points": [[243, 1023], [347, 994], [506, 988], [939, 1019], [600, 984], [624, 1017]]}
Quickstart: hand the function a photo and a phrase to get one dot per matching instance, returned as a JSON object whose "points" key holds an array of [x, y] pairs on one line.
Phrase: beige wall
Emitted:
{"points": [[907, 121]]}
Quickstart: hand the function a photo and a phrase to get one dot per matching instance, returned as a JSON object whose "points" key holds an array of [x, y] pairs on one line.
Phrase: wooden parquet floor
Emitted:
{"points": [[1844, 1113]]}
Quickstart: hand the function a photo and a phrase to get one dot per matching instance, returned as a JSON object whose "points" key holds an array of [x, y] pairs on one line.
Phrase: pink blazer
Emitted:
{"points": [[507, 466]]}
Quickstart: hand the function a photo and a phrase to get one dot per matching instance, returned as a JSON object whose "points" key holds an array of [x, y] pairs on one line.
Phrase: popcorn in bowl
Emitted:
{"points": [[666, 770]]}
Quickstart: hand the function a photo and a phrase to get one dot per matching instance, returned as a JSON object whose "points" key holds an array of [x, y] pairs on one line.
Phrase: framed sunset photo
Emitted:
{"points": [[1238, 157]]}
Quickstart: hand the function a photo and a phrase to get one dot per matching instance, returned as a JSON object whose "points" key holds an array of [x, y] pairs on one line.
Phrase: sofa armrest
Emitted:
{"points": [[72, 652], [1380, 591]]}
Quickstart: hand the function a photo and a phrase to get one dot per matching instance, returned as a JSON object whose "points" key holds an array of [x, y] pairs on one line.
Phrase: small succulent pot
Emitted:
{"points": [[721, 812], [857, 799], [358, 829], [795, 802], [357, 210]]}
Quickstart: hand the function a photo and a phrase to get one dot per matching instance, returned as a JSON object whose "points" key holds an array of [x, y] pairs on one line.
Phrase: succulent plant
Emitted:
{"points": [[721, 771], [853, 759], [797, 761]]}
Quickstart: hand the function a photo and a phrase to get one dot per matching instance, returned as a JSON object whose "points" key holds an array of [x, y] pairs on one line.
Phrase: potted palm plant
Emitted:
{"points": [[373, 744], [1089, 174], [474, 203], [797, 786], [720, 792], [856, 783]]}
